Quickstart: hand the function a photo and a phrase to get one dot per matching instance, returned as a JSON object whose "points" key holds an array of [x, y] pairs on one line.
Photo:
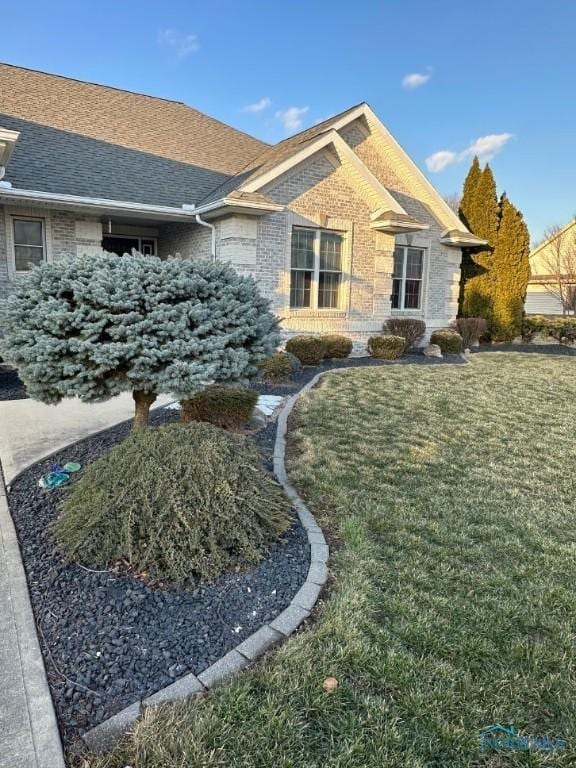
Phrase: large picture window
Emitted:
{"points": [[29, 243], [407, 277], [316, 269]]}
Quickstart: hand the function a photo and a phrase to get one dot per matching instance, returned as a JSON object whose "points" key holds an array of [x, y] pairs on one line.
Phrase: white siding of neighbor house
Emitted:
{"points": [[539, 301]]}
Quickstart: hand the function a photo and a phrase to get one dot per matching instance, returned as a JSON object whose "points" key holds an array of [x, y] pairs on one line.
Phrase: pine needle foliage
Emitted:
{"points": [[510, 273], [92, 327], [178, 503]]}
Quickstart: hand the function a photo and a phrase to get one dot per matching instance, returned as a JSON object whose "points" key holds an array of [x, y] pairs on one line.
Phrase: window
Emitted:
{"points": [[407, 278], [29, 243], [315, 269], [121, 244]]}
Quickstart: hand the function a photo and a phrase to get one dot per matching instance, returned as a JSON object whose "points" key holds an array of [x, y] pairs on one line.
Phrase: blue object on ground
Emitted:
{"points": [[59, 475]]}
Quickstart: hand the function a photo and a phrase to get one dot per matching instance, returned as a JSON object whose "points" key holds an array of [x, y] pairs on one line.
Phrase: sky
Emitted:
{"points": [[448, 78]]}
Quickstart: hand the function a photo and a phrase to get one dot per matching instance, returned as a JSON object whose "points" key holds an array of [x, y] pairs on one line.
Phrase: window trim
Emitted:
{"points": [[26, 213], [315, 283], [422, 279]]}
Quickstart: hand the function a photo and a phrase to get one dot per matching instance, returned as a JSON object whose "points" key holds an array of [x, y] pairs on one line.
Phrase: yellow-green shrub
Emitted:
{"points": [[450, 342], [229, 407], [336, 346], [276, 368], [386, 347], [308, 349]]}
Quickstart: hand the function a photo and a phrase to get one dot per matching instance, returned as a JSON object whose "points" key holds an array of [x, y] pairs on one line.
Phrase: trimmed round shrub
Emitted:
{"points": [[276, 368], [229, 407], [336, 347], [410, 328], [471, 329], [450, 342], [175, 504], [308, 349], [386, 347], [560, 328]]}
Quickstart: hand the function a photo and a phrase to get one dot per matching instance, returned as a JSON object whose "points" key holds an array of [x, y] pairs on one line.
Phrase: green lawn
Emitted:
{"points": [[450, 491]]}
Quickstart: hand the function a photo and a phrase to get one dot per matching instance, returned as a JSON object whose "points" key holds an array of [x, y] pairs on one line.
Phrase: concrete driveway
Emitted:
{"points": [[30, 430]]}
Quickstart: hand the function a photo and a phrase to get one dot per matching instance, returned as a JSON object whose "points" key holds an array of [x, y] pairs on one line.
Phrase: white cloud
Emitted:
{"points": [[291, 118], [416, 79], [181, 43], [440, 160], [485, 147], [258, 106]]}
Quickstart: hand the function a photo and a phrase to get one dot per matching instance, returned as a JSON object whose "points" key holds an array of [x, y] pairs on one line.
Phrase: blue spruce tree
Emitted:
{"points": [[93, 327]]}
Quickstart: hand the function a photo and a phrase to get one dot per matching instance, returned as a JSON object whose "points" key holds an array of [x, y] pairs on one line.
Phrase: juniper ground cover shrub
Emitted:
{"points": [[178, 503]]}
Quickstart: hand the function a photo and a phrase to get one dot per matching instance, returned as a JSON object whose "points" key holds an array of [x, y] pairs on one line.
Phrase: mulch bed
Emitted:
{"points": [[11, 388], [108, 639]]}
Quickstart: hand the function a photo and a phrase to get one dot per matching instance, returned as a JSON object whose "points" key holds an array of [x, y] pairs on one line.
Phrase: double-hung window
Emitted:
{"points": [[29, 243], [407, 277], [316, 269]]}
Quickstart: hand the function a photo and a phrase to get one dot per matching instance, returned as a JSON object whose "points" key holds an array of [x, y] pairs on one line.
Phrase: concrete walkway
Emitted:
{"points": [[30, 430], [29, 735]]}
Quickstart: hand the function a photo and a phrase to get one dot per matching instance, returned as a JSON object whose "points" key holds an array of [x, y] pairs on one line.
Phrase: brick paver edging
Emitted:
{"points": [[104, 736]]}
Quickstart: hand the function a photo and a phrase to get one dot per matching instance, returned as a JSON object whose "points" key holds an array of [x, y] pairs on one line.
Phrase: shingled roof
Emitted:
{"points": [[48, 159], [169, 129]]}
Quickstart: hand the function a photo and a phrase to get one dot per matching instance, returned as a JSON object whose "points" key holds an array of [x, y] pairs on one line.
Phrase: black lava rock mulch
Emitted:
{"points": [[109, 640], [11, 388]]}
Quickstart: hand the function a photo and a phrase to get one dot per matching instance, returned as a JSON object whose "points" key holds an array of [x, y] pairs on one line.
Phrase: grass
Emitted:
{"points": [[450, 492]]}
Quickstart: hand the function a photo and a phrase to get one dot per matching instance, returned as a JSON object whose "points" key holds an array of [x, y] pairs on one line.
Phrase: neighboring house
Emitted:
{"points": [[337, 224], [552, 286]]}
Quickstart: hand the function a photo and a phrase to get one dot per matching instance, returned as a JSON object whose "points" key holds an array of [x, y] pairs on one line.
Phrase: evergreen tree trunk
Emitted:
{"points": [[143, 400]]}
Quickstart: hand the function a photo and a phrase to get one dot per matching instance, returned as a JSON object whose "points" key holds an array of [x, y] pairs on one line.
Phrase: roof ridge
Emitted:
{"points": [[321, 123], [91, 82], [136, 93]]}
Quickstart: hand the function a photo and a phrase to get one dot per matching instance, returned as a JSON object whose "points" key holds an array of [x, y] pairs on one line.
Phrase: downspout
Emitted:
{"points": [[200, 220]]}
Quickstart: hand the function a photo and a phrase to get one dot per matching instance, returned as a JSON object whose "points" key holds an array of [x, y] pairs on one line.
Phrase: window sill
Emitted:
{"points": [[407, 311], [317, 313]]}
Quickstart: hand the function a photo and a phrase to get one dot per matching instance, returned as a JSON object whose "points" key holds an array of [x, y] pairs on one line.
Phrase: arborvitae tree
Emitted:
{"points": [[466, 209], [510, 272], [482, 219], [92, 327], [494, 280], [479, 211]]}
